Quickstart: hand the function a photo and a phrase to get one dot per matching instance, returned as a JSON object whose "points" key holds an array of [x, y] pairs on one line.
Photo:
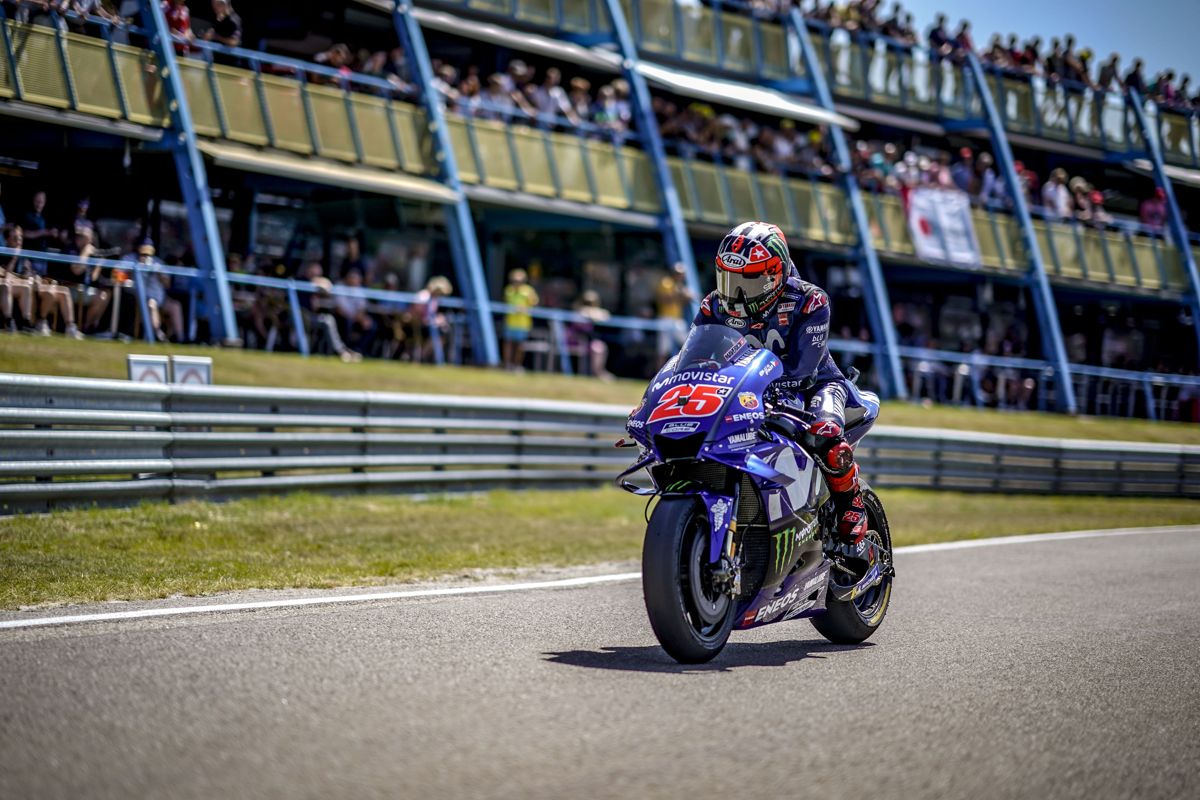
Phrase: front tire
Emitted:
{"points": [[690, 619], [853, 621]]}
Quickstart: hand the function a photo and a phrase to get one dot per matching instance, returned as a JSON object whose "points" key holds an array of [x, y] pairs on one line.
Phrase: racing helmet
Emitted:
{"points": [[752, 268]]}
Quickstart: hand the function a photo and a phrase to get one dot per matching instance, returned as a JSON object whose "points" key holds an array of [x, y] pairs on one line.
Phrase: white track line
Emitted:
{"points": [[522, 587]]}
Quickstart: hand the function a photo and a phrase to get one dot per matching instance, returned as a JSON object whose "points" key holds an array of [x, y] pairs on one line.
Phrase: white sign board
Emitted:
{"points": [[941, 227], [191, 369], [148, 369]]}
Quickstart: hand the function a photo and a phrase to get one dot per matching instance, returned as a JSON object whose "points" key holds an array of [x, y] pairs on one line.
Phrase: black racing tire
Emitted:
{"points": [[691, 622], [853, 621]]}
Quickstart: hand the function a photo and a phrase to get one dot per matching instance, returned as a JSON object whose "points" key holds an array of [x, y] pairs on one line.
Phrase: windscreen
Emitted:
{"points": [[711, 347]]}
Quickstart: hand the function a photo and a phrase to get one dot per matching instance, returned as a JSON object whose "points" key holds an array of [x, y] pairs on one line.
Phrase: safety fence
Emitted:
{"points": [[79, 442]]}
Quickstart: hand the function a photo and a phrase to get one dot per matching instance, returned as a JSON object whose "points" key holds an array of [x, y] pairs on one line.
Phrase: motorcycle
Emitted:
{"points": [[743, 533]]}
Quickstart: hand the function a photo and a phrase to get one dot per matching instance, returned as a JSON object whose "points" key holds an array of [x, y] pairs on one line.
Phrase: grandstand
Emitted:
{"points": [[445, 148]]}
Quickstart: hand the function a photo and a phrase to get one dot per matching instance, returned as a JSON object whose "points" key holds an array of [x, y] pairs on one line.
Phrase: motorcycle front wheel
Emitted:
{"points": [[691, 620]]}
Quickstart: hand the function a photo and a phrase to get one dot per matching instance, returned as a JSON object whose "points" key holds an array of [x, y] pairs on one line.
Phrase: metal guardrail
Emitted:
{"points": [[79, 442]]}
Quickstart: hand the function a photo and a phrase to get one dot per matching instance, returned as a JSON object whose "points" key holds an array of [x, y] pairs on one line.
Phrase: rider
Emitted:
{"points": [[760, 295]]}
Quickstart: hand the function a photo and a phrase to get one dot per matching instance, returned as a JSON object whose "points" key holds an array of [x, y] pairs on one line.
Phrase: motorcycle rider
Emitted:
{"points": [[761, 295]]}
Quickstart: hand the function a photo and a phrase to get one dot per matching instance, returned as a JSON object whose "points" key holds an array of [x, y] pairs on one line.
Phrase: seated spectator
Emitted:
{"points": [[1153, 211], [17, 282], [581, 334], [425, 318], [355, 321], [322, 325], [158, 303], [91, 292], [227, 25]]}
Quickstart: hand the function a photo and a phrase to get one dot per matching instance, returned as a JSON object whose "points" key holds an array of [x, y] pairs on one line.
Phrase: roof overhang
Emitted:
{"points": [[546, 205], [748, 98], [312, 170], [87, 122], [1180, 174]]}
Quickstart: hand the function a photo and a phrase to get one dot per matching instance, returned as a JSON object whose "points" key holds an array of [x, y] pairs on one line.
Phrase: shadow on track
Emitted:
{"points": [[654, 659]]}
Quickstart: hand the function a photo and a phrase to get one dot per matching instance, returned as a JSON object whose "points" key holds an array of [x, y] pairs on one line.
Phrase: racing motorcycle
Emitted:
{"points": [[743, 533]]}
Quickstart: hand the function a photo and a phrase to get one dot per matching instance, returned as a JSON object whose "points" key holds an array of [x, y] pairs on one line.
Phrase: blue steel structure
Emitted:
{"points": [[879, 308], [675, 235], [464, 244], [1178, 230], [1037, 280], [180, 139]]}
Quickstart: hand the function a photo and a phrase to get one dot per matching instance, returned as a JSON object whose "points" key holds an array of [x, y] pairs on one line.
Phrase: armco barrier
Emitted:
{"points": [[72, 442]]}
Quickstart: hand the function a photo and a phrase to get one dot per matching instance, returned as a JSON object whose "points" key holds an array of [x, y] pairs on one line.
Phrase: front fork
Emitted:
{"points": [[725, 564]]}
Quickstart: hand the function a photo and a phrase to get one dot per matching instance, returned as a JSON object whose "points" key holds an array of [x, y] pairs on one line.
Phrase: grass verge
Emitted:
{"points": [[300, 540], [100, 359]]}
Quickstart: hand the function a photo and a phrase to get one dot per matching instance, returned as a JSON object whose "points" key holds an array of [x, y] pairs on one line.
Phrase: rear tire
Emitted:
{"points": [[853, 621], [691, 621]]}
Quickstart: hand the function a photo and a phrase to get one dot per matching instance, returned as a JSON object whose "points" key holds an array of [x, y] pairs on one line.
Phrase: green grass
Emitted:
{"points": [[97, 359], [300, 540]]}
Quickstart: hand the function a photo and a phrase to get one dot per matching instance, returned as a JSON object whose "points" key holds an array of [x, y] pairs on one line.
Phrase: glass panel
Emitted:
{"points": [[708, 192], [415, 146], [1015, 257], [536, 11], [610, 190], [194, 76], [39, 65], [144, 94], [1052, 107], [95, 89], [1093, 257], [1065, 246], [698, 33], [739, 42], [239, 100], [496, 159], [6, 82], [679, 178], [837, 211], [891, 212], [333, 123], [1177, 138], [775, 204], [536, 177], [657, 19], [1150, 279], [569, 158], [1018, 105], [464, 154], [642, 181], [371, 113], [582, 16], [849, 69], [808, 215], [741, 194], [285, 104], [1147, 262], [985, 234], [775, 51]]}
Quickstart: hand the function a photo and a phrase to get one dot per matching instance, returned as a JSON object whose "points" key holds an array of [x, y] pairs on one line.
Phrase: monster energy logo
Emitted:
{"points": [[788, 539], [681, 486]]}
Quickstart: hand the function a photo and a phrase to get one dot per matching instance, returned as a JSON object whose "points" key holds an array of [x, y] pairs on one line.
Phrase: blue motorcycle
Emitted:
{"points": [[743, 531]]}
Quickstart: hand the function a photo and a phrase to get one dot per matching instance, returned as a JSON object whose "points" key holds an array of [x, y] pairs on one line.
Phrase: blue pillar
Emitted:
{"points": [[675, 235], [464, 245], [193, 180], [1039, 284], [1178, 228], [879, 307]]}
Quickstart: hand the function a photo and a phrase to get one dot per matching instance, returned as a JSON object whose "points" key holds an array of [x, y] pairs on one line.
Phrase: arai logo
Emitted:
{"points": [[733, 260], [735, 322]]}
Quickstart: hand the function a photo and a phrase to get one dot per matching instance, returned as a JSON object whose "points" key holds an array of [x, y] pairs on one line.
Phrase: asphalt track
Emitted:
{"points": [[1068, 668]]}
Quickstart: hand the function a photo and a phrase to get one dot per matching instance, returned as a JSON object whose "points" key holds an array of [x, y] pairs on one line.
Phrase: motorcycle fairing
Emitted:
{"points": [[802, 594]]}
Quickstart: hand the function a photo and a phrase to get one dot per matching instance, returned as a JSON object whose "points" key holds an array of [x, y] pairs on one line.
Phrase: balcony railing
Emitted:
{"points": [[1179, 135], [72, 72]]}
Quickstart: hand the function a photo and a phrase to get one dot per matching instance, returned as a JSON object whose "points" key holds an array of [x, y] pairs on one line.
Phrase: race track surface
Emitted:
{"points": [[1046, 670]]}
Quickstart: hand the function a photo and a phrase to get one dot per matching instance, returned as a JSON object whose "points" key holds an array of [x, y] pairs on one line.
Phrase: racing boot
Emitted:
{"points": [[842, 476]]}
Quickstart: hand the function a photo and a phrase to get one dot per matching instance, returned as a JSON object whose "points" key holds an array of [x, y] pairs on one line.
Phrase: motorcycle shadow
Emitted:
{"points": [[735, 654]]}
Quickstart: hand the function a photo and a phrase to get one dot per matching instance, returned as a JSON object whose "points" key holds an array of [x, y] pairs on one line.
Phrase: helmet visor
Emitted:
{"points": [[743, 292]]}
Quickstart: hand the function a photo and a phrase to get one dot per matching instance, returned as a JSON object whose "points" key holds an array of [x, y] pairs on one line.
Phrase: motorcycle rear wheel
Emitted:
{"points": [[691, 620], [853, 621]]}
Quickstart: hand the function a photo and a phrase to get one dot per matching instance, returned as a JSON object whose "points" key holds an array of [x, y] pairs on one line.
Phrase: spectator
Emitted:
{"points": [[1056, 197], [1100, 215], [354, 261], [963, 43], [497, 100], [426, 318], [552, 100], [91, 295], [520, 297], [607, 112], [179, 21], [88, 8], [37, 233], [17, 282], [1081, 196], [581, 334], [671, 296], [581, 100], [227, 25], [963, 173], [350, 304], [941, 44], [323, 324], [1134, 80], [158, 303], [1153, 211]]}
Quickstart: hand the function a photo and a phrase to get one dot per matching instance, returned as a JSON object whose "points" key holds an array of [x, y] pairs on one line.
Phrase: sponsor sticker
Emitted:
{"points": [[784, 320], [746, 416], [680, 427], [733, 260], [735, 322], [635, 424], [817, 328], [739, 438], [785, 307], [748, 400], [719, 509]]}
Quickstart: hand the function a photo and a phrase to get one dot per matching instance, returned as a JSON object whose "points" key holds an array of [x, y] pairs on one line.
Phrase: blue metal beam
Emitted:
{"points": [[1178, 229], [464, 244], [193, 180], [1043, 297], [675, 235], [879, 307]]}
